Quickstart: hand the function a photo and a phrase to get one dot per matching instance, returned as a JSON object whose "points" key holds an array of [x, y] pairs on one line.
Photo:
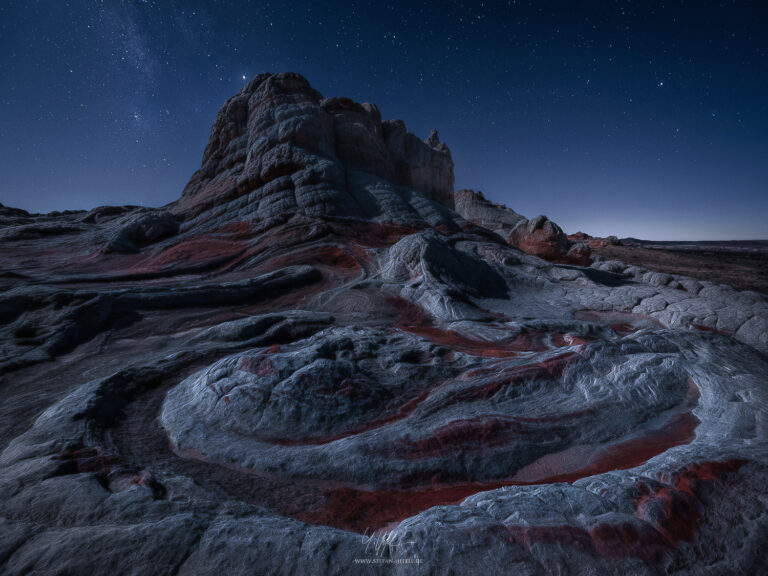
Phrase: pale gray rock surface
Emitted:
{"points": [[538, 236]]}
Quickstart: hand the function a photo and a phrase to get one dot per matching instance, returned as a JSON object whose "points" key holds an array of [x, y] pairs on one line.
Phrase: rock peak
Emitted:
{"points": [[279, 148], [433, 140]]}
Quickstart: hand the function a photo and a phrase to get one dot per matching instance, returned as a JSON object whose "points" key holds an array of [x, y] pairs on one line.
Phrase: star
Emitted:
{"points": [[243, 76]]}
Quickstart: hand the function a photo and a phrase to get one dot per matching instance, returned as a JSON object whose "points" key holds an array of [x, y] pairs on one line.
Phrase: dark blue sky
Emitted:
{"points": [[629, 118]]}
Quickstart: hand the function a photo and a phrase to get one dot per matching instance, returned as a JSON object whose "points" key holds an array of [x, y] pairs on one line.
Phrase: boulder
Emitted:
{"points": [[539, 236]]}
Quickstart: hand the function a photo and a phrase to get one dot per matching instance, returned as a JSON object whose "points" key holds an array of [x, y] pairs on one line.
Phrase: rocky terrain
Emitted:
{"points": [[743, 265], [322, 360], [538, 236]]}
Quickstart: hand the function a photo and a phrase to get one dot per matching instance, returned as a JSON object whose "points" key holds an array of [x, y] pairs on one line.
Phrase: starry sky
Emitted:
{"points": [[645, 119]]}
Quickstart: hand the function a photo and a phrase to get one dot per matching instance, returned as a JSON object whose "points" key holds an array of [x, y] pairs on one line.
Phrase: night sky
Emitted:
{"points": [[627, 118]]}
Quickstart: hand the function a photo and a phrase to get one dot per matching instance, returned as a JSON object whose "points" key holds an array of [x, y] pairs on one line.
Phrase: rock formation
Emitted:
{"points": [[279, 149], [311, 345], [593, 242], [539, 236]]}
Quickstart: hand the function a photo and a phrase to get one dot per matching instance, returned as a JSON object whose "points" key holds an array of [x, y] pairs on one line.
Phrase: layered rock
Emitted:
{"points": [[539, 236], [477, 209], [141, 229], [279, 144], [592, 241]]}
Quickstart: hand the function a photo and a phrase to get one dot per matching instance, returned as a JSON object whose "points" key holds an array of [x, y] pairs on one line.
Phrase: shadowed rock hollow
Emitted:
{"points": [[319, 339]]}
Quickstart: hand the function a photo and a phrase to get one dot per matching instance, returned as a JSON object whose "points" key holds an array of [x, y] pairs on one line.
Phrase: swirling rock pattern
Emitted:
{"points": [[311, 345]]}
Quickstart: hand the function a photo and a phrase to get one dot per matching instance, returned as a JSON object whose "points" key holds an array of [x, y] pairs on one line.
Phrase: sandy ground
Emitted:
{"points": [[743, 269]]}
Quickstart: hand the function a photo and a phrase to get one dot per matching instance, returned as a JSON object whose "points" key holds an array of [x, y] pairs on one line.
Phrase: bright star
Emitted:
{"points": [[243, 76]]}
